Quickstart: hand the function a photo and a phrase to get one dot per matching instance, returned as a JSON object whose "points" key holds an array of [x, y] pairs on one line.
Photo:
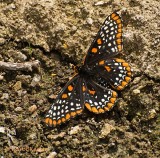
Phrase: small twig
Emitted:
{"points": [[26, 66]]}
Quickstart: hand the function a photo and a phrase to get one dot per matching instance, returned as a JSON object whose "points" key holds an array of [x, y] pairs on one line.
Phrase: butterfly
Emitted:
{"points": [[95, 84]]}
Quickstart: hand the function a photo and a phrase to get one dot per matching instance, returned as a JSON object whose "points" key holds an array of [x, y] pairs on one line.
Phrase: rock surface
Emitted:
{"points": [[58, 34]]}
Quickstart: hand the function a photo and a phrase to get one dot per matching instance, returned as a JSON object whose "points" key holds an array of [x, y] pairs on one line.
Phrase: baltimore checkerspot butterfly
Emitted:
{"points": [[96, 80]]}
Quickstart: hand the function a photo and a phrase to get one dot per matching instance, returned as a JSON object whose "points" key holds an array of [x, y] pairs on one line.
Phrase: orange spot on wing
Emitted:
{"points": [[123, 83], [50, 122], [54, 123], [101, 62], [120, 60], [129, 73], [83, 88], [128, 68], [108, 68], [127, 79], [59, 121], [116, 17], [100, 110], [114, 94], [125, 64], [119, 41], [92, 92], [113, 15], [106, 108], [118, 21], [119, 88], [63, 119], [88, 106], [99, 41], [73, 114], [120, 30], [120, 26], [78, 111], [119, 35], [65, 46], [94, 50], [119, 47], [47, 120], [64, 96], [70, 87], [68, 116], [94, 110], [110, 105], [112, 100]]}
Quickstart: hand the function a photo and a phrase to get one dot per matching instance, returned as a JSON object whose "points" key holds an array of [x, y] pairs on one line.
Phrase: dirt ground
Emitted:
{"points": [[58, 34]]}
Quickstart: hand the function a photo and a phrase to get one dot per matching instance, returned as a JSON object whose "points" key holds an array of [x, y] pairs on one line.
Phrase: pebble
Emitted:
{"points": [[136, 80], [20, 56], [32, 108], [40, 102], [2, 41], [33, 136], [152, 114], [2, 129], [21, 92], [35, 80], [52, 155], [99, 3], [106, 130], [18, 109], [5, 96], [1, 77], [52, 96], [89, 21], [17, 86], [136, 91], [60, 135], [2, 116], [74, 130], [74, 28]]}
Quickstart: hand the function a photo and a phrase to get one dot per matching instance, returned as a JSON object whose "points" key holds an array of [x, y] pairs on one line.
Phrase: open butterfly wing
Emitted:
{"points": [[108, 41], [98, 99], [68, 104], [115, 72]]}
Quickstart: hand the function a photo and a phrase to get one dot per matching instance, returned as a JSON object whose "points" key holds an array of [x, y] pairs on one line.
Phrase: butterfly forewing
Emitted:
{"points": [[69, 103], [108, 41]]}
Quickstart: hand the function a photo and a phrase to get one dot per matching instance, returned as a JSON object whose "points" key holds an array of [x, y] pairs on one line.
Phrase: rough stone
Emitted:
{"points": [[17, 86], [18, 109], [106, 130], [32, 108]]}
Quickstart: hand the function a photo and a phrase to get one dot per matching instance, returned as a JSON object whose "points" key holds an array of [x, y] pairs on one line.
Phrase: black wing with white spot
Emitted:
{"points": [[108, 41], [97, 98], [115, 72], [68, 104]]}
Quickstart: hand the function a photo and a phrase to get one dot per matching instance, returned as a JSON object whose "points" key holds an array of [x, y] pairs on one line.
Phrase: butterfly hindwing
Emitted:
{"points": [[108, 41], [98, 99], [116, 72], [68, 103]]}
